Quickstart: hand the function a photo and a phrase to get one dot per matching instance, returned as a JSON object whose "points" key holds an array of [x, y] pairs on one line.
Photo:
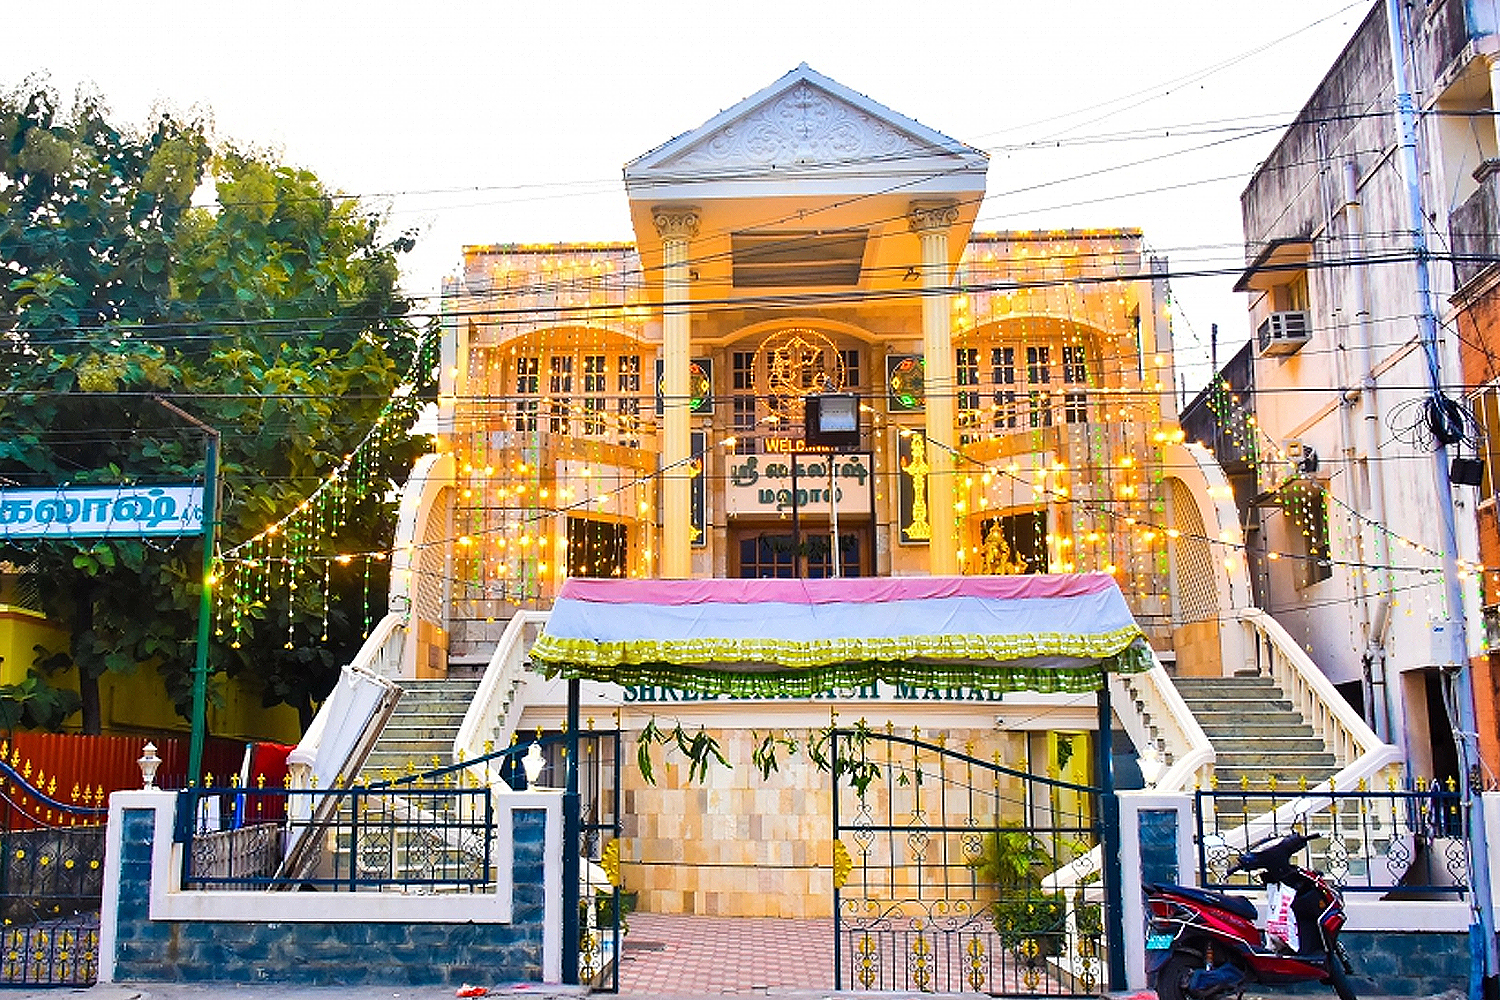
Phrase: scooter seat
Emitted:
{"points": [[1234, 904]]}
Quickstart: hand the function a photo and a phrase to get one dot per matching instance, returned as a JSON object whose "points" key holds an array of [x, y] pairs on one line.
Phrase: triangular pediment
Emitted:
{"points": [[804, 120]]}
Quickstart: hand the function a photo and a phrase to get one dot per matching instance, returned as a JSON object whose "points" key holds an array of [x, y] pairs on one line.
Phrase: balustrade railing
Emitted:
{"points": [[1400, 843], [1359, 753], [1152, 711], [494, 711]]}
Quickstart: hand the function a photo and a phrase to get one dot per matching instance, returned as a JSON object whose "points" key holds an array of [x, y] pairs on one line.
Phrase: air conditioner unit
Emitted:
{"points": [[1283, 333]]}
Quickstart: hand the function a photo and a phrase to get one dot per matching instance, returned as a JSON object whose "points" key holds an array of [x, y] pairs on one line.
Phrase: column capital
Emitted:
{"points": [[930, 216], [675, 221]]}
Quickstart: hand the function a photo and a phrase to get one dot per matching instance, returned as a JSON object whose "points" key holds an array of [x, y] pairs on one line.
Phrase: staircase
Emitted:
{"points": [[1262, 745], [421, 731]]}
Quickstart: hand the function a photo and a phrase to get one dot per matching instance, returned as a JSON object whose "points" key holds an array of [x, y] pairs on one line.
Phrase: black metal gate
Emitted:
{"points": [[955, 874], [51, 878]]}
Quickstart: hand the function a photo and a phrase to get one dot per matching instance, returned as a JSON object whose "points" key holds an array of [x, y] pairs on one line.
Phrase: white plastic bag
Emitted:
{"points": [[1281, 922]]}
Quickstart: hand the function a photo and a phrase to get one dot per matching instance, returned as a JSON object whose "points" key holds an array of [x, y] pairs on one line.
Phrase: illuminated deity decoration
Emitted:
{"points": [[996, 558], [916, 467], [799, 363]]}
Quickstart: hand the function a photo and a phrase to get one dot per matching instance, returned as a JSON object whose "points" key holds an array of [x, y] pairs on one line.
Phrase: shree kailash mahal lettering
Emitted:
{"points": [[867, 692]]}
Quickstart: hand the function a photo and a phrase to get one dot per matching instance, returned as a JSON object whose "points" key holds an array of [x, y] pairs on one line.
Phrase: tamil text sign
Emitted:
{"points": [[101, 512], [762, 484]]}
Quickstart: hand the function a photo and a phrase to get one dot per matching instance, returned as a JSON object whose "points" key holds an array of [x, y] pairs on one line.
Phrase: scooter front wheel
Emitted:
{"points": [[1172, 977], [1339, 979]]}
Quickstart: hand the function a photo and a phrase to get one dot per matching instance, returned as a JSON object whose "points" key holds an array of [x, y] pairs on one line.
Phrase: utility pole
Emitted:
{"points": [[1482, 980], [206, 598]]}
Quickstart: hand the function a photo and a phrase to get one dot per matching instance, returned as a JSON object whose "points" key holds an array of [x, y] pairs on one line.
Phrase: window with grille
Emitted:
{"points": [[1076, 373], [744, 425], [593, 416], [1038, 409], [526, 411], [1075, 363], [628, 411], [851, 369], [560, 385], [742, 401], [629, 373], [966, 374], [528, 384], [560, 367], [594, 376], [1038, 365], [595, 384], [528, 376], [1003, 375]]}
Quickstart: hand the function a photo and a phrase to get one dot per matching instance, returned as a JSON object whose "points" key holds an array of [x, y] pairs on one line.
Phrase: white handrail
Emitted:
{"points": [[1360, 754], [341, 735], [506, 672], [1354, 745], [1134, 697], [1178, 731]]}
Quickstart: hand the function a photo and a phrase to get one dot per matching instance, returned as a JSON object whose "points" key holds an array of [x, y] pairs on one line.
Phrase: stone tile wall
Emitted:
{"points": [[738, 844], [327, 953]]}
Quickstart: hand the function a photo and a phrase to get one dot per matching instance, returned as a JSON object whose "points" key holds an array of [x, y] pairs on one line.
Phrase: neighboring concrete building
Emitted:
{"points": [[1343, 502]]}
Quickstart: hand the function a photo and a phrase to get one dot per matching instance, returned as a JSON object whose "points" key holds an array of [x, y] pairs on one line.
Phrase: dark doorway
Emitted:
{"points": [[1440, 730], [772, 553], [597, 548]]}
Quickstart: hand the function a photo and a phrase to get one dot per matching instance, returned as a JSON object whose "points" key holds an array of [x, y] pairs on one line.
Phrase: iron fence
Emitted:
{"points": [[414, 837], [1401, 843], [432, 832]]}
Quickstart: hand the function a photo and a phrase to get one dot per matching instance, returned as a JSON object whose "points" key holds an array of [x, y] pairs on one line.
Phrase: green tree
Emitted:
{"points": [[273, 316]]}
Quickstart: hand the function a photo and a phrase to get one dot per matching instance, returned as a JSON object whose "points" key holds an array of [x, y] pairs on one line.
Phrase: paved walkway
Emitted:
{"points": [[664, 955]]}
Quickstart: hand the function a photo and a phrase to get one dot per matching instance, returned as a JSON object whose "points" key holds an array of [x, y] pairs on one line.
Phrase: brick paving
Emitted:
{"points": [[666, 954]]}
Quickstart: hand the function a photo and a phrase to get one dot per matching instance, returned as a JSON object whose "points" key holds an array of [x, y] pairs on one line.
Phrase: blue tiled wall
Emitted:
{"points": [[1158, 839], [331, 953]]}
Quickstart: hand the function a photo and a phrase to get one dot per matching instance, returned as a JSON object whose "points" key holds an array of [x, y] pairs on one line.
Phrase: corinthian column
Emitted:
{"points": [[930, 221], [676, 225]]}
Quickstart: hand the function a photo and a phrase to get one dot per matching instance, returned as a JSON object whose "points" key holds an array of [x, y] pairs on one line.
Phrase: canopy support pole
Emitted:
{"points": [[1109, 810], [571, 845]]}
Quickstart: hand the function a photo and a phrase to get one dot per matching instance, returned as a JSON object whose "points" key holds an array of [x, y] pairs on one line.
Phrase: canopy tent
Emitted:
{"points": [[799, 638]]}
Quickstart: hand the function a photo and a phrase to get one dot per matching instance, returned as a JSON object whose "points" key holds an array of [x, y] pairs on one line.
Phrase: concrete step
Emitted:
{"points": [[1270, 730], [1275, 760], [1241, 744], [1242, 706]]}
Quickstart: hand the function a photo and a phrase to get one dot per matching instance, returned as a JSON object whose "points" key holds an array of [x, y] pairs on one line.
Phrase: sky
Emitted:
{"points": [[503, 122]]}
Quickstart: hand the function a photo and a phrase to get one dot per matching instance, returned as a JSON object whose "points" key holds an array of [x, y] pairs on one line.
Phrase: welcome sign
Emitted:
{"points": [[101, 512], [762, 484]]}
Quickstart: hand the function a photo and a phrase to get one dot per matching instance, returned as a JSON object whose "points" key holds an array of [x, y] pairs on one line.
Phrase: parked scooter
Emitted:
{"points": [[1204, 945]]}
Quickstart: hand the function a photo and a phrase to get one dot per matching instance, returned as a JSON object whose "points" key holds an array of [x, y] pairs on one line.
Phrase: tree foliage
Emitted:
{"points": [[272, 315]]}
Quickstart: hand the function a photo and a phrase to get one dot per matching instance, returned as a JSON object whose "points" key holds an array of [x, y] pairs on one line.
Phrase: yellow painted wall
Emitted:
{"points": [[20, 630], [136, 702]]}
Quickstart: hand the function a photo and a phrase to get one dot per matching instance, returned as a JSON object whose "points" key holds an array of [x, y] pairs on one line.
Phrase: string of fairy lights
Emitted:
{"points": [[554, 425], [292, 552]]}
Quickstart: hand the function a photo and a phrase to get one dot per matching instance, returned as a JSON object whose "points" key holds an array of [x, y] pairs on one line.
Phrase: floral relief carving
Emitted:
{"points": [[802, 125]]}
